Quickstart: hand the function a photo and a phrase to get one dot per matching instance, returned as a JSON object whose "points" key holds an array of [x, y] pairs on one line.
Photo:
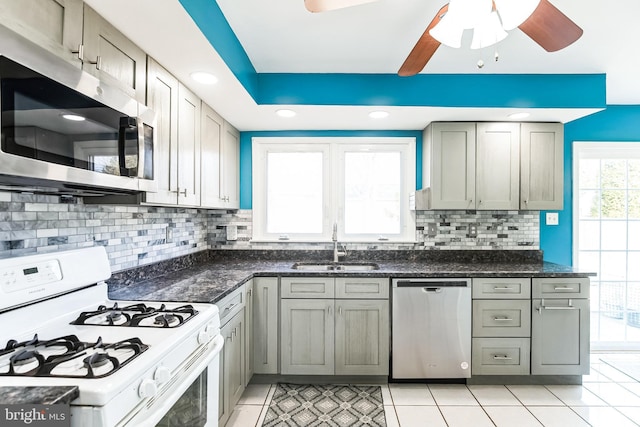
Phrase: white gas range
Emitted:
{"points": [[135, 363]]}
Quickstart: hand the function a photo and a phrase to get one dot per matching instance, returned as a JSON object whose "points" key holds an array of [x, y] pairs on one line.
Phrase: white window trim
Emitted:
{"points": [[334, 147]]}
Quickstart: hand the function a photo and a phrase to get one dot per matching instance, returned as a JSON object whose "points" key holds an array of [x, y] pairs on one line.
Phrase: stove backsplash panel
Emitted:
{"points": [[137, 235]]}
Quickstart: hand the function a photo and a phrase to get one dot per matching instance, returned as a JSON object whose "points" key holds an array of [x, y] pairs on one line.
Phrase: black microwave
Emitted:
{"points": [[62, 127]]}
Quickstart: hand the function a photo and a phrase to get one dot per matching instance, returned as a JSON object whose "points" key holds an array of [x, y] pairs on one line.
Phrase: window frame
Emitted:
{"points": [[333, 192]]}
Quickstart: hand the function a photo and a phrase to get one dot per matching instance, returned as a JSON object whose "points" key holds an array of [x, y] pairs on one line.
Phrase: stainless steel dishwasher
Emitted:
{"points": [[431, 328]]}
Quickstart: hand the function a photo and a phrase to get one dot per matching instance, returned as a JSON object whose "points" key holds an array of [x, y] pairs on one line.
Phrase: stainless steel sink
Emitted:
{"points": [[339, 266]]}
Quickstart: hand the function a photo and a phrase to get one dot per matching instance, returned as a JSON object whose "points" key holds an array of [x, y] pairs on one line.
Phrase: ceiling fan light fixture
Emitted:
{"points": [[515, 12], [467, 13], [488, 32], [448, 32]]}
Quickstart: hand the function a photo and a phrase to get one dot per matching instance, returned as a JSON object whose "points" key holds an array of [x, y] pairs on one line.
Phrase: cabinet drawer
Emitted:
{"points": [[307, 287], [231, 304], [561, 287], [362, 288], [501, 318], [500, 356], [502, 288]]}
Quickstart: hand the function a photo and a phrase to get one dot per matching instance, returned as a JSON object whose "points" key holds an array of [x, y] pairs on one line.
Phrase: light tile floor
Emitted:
{"points": [[607, 398]]}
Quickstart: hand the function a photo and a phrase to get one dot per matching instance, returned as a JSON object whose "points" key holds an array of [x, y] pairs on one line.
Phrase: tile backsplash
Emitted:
{"points": [[137, 235], [500, 230]]}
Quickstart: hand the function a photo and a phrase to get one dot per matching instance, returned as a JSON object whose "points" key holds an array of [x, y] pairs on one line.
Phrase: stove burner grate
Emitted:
{"points": [[135, 315]]}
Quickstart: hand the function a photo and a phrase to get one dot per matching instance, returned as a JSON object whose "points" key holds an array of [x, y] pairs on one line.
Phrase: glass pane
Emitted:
{"points": [[633, 306], [614, 204], [589, 235], [633, 204], [634, 235], [634, 173], [614, 266], [612, 299], [372, 193], [294, 193], [191, 408], [614, 173], [589, 261], [614, 235], [634, 266], [589, 204], [589, 174]]}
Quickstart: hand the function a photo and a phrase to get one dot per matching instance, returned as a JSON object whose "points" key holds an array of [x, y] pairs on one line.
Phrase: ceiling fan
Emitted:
{"points": [[539, 19]]}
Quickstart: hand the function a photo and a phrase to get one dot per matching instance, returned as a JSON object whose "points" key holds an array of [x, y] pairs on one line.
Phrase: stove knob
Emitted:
{"points": [[162, 375], [147, 388], [203, 337]]}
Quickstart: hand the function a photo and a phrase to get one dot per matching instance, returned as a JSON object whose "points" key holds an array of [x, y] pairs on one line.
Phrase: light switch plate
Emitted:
{"points": [[432, 230], [552, 218], [232, 232]]}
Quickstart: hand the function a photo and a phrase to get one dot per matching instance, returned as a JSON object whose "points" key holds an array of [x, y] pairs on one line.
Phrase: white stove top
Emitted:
{"points": [[165, 346]]}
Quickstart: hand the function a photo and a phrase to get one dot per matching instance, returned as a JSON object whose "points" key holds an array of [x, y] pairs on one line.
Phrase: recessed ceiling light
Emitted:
{"points": [[522, 115], [286, 113], [378, 114], [204, 78], [73, 117]]}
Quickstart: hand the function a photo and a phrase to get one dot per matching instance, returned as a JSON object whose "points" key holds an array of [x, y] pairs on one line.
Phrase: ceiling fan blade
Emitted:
{"points": [[326, 5], [424, 48], [551, 28]]}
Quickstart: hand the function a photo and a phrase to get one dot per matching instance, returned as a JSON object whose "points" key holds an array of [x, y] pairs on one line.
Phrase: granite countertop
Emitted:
{"points": [[211, 280], [37, 395]]}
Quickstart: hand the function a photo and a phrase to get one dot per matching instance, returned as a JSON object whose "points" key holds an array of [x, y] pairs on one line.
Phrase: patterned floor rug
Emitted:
{"points": [[295, 405]]}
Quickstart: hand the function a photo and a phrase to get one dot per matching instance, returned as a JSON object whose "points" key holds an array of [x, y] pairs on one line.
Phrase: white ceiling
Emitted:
{"points": [[281, 36]]}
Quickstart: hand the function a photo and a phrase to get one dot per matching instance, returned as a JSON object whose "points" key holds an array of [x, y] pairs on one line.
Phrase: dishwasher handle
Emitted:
{"points": [[432, 289], [432, 284]]}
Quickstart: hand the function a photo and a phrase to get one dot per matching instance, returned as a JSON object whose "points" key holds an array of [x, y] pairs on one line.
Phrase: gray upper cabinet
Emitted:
{"points": [[210, 156], [112, 57], [497, 165], [449, 159], [189, 116], [162, 97], [55, 25], [542, 162], [230, 167]]}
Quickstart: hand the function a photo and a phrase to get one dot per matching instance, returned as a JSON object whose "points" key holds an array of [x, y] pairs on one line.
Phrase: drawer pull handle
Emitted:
{"points": [[563, 288], [569, 306], [230, 307], [502, 288], [501, 357], [502, 319]]}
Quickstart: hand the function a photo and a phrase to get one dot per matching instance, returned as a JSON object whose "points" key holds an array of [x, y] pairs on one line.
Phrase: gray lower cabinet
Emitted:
{"points": [[501, 326], [341, 336], [560, 326], [265, 325], [248, 331], [307, 333], [362, 337]]}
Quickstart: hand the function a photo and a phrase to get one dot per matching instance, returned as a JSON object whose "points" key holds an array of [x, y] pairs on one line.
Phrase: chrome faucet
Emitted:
{"points": [[334, 237]]}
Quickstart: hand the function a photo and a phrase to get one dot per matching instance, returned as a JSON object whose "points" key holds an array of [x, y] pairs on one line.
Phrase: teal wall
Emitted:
{"points": [[618, 123]]}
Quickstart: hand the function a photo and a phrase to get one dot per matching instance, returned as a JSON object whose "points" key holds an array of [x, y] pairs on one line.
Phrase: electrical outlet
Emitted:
{"points": [[169, 236], [473, 230], [552, 218], [432, 229]]}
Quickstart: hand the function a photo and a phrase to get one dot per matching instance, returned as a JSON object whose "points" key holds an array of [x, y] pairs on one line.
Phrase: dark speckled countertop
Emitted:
{"points": [[211, 279], [37, 395]]}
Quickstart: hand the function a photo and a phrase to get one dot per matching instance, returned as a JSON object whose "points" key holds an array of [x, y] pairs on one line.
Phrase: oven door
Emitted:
{"points": [[190, 399]]}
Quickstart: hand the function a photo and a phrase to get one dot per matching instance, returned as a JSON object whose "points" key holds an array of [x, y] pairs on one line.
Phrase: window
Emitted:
{"points": [[606, 226], [302, 186]]}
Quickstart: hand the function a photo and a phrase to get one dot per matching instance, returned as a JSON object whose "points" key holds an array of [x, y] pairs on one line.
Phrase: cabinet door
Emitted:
{"points": [[55, 25], [542, 164], [188, 147], [162, 97], [498, 166], [248, 332], [231, 367], [451, 162], [560, 337], [265, 325], [307, 345], [230, 167], [112, 57], [210, 150], [362, 337]]}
